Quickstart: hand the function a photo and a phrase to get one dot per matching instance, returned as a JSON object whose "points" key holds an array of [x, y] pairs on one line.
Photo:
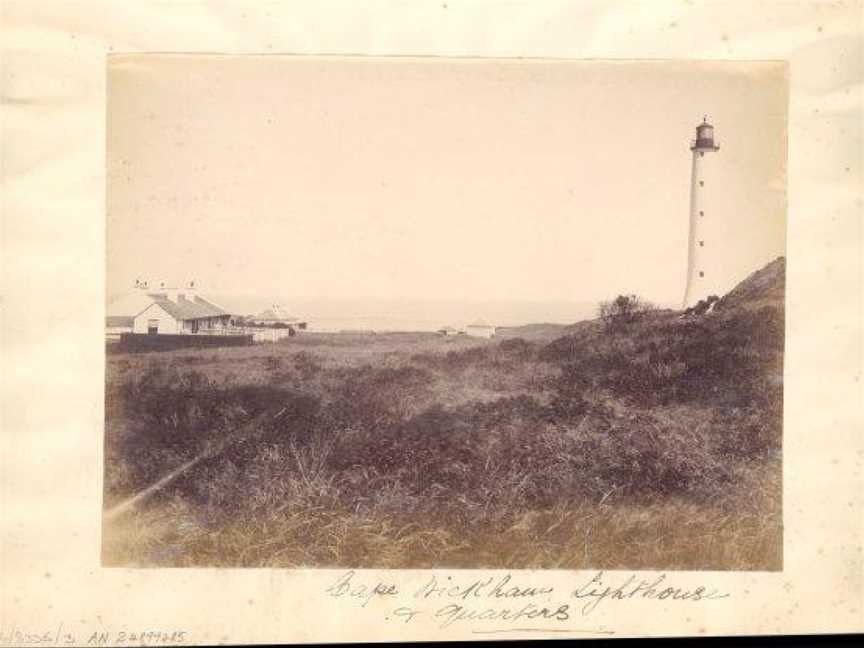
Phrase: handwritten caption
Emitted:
{"points": [[505, 600], [501, 602]]}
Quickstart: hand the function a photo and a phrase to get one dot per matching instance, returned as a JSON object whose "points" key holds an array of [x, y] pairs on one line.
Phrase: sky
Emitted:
{"points": [[451, 179]]}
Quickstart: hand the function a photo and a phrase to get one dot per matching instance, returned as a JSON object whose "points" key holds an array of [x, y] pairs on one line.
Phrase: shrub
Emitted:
{"points": [[622, 311], [517, 347], [169, 417]]}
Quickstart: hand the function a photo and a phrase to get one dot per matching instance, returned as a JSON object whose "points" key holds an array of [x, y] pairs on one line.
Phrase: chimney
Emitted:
{"points": [[171, 293], [188, 291]]}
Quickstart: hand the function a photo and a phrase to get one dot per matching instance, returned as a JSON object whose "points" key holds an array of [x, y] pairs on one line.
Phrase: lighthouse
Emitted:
{"points": [[703, 267]]}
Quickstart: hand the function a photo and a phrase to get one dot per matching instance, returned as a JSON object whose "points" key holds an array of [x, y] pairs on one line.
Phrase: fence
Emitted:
{"points": [[138, 342], [259, 334]]}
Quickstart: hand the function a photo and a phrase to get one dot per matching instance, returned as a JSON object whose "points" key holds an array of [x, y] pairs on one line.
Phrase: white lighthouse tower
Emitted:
{"points": [[703, 256]]}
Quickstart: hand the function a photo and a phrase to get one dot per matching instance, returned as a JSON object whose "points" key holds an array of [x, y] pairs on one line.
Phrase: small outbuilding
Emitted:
{"points": [[277, 317], [480, 329]]}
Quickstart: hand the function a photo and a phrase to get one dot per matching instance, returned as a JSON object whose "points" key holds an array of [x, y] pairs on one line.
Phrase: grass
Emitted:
{"points": [[670, 535], [654, 446]]}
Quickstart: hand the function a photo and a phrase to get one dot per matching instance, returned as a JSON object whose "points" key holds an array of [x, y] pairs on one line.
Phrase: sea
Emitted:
{"points": [[387, 315]]}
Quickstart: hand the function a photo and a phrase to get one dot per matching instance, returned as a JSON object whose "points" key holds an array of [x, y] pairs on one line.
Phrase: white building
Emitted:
{"points": [[277, 317], [274, 324], [178, 311], [480, 329]]}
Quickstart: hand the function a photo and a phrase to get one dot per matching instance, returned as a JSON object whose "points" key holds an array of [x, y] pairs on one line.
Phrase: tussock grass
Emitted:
{"points": [[653, 446], [312, 531]]}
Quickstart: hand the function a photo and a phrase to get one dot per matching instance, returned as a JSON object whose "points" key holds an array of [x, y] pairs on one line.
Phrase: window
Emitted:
{"points": [[701, 213], [701, 274], [701, 153], [701, 243], [701, 183], [152, 326]]}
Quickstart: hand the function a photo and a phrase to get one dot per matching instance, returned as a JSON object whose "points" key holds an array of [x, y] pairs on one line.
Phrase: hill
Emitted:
{"points": [[765, 287]]}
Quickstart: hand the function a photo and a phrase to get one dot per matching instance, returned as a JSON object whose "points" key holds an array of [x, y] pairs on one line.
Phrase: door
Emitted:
{"points": [[152, 327]]}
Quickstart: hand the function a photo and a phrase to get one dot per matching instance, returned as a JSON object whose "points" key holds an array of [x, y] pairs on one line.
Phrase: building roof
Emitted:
{"points": [[187, 309], [276, 314], [119, 320], [480, 324], [128, 304]]}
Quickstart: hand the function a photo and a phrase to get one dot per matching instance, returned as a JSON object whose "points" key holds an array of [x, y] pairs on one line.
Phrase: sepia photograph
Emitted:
{"points": [[411, 313]]}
